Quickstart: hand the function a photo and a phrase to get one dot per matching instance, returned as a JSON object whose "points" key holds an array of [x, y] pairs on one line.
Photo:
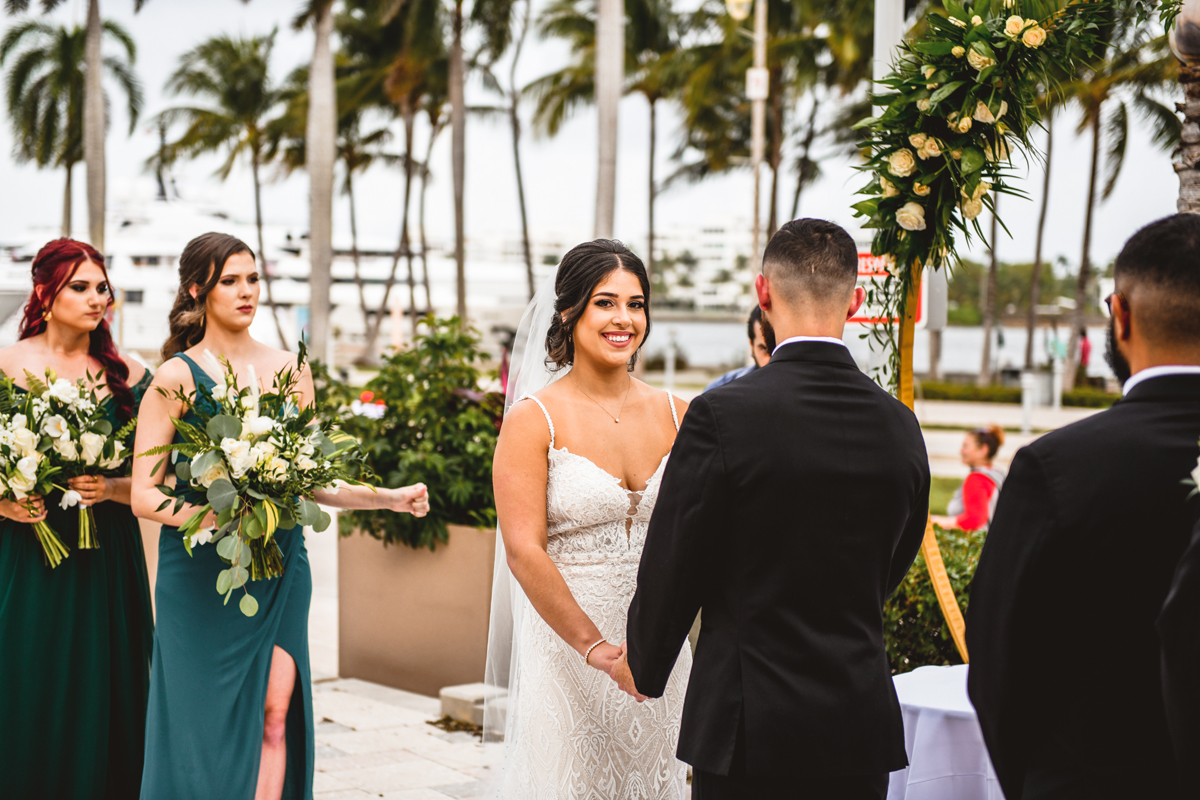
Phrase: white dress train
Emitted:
{"points": [[577, 736]]}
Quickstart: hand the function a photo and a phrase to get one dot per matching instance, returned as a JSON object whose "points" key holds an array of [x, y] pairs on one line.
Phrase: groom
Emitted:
{"points": [[793, 504]]}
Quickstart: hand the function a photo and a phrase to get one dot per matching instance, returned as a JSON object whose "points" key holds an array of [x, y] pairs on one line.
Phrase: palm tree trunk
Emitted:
{"points": [[434, 132], [93, 127], [806, 159], [458, 124], [264, 268], [609, 69], [989, 304], [653, 187], [514, 95], [776, 156], [402, 250], [358, 280], [321, 147], [1187, 154], [66, 219], [1035, 282], [1085, 264]]}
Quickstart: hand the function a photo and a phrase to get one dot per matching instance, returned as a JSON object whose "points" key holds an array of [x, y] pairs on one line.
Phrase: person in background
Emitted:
{"points": [[1085, 357], [973, 504], [762, 344]]}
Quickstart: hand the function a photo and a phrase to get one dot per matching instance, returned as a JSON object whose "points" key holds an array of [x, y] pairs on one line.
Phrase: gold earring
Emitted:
{"points": [[49, 315]]}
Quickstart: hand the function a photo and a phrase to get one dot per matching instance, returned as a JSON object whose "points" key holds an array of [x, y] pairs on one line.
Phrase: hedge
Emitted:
{"points": [[1086, 397]]}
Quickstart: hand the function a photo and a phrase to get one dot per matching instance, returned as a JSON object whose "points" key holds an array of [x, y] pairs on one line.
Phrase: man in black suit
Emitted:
{"points": [[1179, 630], [794, 502], [1065, 660]]}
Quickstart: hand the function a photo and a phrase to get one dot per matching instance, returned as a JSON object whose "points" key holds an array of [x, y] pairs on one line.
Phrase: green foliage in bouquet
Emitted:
{"points": [[913, 626], [436, 427], [958, 101]]}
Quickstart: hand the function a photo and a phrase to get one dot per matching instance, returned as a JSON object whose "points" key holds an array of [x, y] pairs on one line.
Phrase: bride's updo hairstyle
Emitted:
{"points": [[200, 265], [584, 268]]}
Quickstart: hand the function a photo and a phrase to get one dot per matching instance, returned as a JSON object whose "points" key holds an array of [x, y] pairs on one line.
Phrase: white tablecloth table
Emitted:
{"points": [[947, 759]]}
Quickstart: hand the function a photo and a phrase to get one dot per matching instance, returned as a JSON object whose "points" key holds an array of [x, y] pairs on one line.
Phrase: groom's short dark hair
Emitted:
{"points": [[1163, 261], [813, 257]]}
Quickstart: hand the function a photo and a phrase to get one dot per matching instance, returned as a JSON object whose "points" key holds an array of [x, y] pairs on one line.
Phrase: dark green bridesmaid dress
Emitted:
{"points": [[74, 657], [211, 664]]}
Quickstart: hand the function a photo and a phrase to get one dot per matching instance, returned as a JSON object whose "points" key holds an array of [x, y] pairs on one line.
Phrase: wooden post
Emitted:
{"points": [[929, 545]]}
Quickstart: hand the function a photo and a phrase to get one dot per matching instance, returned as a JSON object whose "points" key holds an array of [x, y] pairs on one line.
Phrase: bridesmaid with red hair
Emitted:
{"points": [[75, 641]]}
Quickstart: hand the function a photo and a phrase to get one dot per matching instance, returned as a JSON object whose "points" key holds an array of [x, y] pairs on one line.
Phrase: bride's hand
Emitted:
{"points": [[603, 657], [412, 499], [621, 673]]}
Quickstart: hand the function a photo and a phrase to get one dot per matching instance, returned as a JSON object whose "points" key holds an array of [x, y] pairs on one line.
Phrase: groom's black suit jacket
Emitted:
{"points": [[1065, 659], [794, 502]]}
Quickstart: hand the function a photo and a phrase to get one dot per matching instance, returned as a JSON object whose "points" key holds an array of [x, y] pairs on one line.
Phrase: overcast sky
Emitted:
{"points": [[560, 172]]}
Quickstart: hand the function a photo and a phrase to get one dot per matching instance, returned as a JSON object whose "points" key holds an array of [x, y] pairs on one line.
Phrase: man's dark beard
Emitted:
{"points": [[1112, 355], [768, 333]]}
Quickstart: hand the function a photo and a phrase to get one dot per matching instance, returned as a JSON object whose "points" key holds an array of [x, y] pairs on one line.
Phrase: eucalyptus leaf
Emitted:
{"points": [[248, 605], [322, 522], [183, 471], [240, 576], [309, 513], [205, 461], [223, 426], [102, 427], [224, 581], [227, 548], [221, 495], [244, 557]]}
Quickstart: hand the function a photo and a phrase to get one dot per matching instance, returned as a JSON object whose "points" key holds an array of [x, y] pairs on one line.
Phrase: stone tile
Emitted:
{"points": [[463, 790], [360, 713], [363, 761], [377, 741], [415, 794], [327, 725], [404, 775], [342, 794], [429, 706], [324, 782], [326, 752]]}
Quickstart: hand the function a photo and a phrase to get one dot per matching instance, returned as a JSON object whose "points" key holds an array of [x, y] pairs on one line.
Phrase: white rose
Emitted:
{"points": [[260, 425], [911, 217], [976, 20], [218, 392], [27, 467], [64, 390], [1013, 26], [972, 208], [19, 422], [92, 445], [21, 486], [116, 459], [55, 426], [978, 60], [889, 190], [248, 401], [26, 441], [902, 163], [305, 463], [958, 51], [983, 113], [920, 190], [918, 139], [923, 104], [964, 125], [263, 452], [241, 459], [1034, 36], [212, 474], [277, 469], [70, 498], [67, 449]]}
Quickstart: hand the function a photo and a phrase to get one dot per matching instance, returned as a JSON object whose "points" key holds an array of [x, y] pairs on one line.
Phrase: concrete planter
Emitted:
{"points": [[414, 619]]}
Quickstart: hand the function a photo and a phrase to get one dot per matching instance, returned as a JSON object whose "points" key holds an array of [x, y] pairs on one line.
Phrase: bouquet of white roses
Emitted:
{"points": [[24, 468], [81, 439], [255, 460]]}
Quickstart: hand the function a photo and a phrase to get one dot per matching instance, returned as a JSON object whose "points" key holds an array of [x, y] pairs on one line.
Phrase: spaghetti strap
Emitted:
{"points": [[674, 413], [542, 406], [198, 374]]}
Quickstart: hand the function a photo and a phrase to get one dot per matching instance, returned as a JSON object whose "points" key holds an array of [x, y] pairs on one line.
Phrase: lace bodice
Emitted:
{"points": [[575, 734]]}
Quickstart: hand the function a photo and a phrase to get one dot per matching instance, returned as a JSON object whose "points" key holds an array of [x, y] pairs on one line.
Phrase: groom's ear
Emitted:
{"points": [[856, 300], [762, 286]]}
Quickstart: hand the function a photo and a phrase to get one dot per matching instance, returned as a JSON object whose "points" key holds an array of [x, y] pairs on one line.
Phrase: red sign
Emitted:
{"points": [[871, 270]]}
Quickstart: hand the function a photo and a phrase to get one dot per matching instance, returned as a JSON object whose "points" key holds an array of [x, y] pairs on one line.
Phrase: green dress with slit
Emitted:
{"points": [[208, 683], [74, 656]]}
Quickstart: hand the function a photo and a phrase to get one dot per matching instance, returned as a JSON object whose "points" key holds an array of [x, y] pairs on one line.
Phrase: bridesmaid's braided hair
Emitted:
{"points": [[200, 265], [581, 271]]}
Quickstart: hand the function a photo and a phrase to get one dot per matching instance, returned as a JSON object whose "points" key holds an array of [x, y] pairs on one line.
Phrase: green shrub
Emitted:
{"points": [[913, 626], [437, 428], [1085, 397]]}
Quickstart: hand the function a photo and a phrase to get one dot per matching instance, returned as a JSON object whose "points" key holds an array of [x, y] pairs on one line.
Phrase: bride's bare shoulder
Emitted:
{"points": [[525, 424]]}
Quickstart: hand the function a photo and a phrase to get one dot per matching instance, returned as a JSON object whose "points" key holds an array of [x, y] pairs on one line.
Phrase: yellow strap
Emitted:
{"points": [[929, 545]]}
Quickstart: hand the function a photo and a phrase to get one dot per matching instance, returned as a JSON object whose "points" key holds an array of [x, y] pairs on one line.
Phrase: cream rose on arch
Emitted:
{"points": [[978, 60], [1034, 36], [911, 217], [902, 163]]}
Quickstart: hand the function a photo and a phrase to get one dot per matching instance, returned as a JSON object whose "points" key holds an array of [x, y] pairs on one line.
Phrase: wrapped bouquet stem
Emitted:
{"points": [[251, 468]]}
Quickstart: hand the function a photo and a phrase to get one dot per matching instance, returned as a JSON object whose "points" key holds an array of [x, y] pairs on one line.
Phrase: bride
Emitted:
{"points": [[577, 471]]}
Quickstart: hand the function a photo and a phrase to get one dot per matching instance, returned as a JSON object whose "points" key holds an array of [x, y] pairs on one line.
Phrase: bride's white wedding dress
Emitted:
{"points": [[577, 736]]}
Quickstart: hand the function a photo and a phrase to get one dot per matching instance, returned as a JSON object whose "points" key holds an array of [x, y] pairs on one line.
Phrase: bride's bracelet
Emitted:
{"points": [[588, 654]]}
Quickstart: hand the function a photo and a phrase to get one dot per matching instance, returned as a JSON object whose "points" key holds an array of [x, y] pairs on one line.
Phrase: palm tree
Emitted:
{"points": [[1135, 65], [321, 134], [653, 69], [496, 18], [233, 74], [45, 90], [989, 302]]}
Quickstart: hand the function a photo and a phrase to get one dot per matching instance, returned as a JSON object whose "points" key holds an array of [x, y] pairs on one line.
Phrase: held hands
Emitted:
{"points": [[92, 489], [32, 510], [412, 499], [613, 661]]}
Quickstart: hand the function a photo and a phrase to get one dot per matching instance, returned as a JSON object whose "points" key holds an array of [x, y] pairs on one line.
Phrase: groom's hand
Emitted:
{"points": [[624, 678]]}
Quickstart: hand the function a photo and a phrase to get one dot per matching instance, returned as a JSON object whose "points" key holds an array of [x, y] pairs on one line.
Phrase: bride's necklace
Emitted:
{"points": [[615, 417]]}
